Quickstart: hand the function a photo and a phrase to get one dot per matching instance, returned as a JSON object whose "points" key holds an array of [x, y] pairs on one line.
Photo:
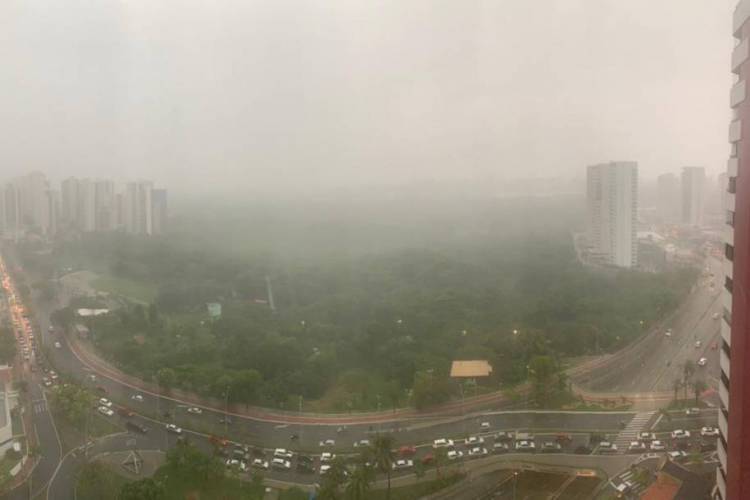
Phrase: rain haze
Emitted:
{"points": [[303, 96]]}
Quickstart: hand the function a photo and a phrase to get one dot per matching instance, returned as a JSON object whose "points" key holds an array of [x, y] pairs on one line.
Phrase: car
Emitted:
{"points": [[551, 447], [173, 429], [709, 432], [500, 448], [403, 464], [702, 362], [327, 457], [442, 443], [657, 445], [324, 468], [503, 436], [715, 315], [636, 447], [472, 440], [225, 420], [135, 426], [525, 445], [362, 443], [668, 332], [677, 455], [282, 453], [47, 382], [51, 329], [407, 451], [58, 345], [485, 426], [478, 451], [280, 463], [106, 411], [607, 447], [237, 464], [427, 459], [105, 402], [698, 344], [137, 397], [646, 436], [692, 412], [680, 434], [259, 463], [455, 455], [195, 410], [327, 442]]}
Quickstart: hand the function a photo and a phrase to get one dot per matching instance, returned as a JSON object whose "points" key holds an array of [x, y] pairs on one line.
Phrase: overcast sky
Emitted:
{"points": [[278, 94]]}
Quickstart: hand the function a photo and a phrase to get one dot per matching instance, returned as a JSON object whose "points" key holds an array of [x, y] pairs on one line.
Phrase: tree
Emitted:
{"points": [[334, 478], [166, 377], [73, 401], [92, 478], [688, 369], [430, 389], [7, 345], [699, 385], [145, 489], [361, 481], [190, 461], [293, 493], [542, 371], [382, 453], [676, 385]]}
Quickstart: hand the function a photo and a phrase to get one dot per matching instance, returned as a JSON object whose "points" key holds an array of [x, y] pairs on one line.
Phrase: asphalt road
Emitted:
{"points": [[654, 362]]}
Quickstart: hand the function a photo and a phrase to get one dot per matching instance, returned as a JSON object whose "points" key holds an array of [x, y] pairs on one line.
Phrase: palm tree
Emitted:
{"points": [[359, 485], [382, 452], [699, 386], [676, 385]]}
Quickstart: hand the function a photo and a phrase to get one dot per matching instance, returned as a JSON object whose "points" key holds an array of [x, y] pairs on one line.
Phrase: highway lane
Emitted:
{"points": [[654, 362]]}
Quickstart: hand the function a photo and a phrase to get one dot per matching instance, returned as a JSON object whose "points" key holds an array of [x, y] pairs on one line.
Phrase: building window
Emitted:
{"points": [[732, 185], [724, 380], [729, 252], [730, 218], [725, 348], [728, 284], [727, 316]]}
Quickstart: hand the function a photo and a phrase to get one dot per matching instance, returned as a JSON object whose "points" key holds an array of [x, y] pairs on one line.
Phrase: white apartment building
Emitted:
{"points": [[612, 205], [693, 195]]}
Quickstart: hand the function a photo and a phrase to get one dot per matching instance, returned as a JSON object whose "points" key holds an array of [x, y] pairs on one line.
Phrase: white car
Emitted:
{"points": [[105, 402], [525, 445], [455, 455], [324, 468], [58, 345], [698, 344], [280, 463], [500, 448], [691, 412], [282, 453], [473, 440], [259, 463], [326, 457], [477, 452], [646, 436], [668, 332], [47, 382], [657, 446], [403, 464], [327, 442], [702, 362], [173, 429], [677, 455], [362, 443], [137, 397], [636, 446], [607, 447], [239, 464], [106, 411], [680, 434], [709, 432], [195, 410], [442, 443], [484, 426]]}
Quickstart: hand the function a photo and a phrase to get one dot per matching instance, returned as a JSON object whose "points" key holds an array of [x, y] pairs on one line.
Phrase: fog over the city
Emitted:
{"points": [[286, 96]]}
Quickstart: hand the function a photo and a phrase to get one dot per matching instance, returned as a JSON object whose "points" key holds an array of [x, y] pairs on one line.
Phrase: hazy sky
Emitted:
{"points": [[279, 94]]}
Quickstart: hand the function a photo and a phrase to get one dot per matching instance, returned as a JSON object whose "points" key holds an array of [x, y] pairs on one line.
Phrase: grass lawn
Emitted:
{"points": [[180, 486], [108, 486], [581, 487], [538, 485], [5, 466], [72, 436], [135, 290], [415, 491]]}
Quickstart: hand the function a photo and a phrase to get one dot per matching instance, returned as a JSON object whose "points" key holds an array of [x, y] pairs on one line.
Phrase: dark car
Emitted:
{"points": [[136, 427]]}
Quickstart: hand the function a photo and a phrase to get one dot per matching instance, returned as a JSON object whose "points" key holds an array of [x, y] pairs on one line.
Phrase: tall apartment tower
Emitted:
{"points": [[612, 204], [137, 215], [104, 205], [668, 202], [733, 448], [693, 195]]}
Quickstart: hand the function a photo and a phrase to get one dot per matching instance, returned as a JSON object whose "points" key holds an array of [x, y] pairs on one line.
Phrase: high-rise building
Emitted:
{"points": [[693, 194], [104, 205], [86, 207], [69, 202], [668, 198], [137, 210], [733, 448], [34, 201], [11, 211], [159, 210], [612, 203]]}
